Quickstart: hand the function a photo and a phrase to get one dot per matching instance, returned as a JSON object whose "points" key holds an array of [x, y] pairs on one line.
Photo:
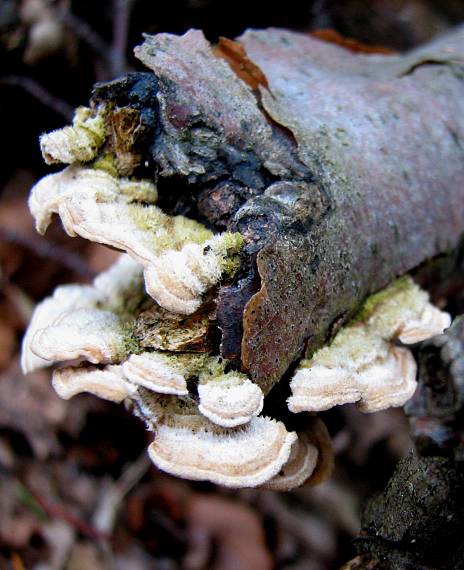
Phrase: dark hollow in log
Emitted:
{"points": [[341, 170]]}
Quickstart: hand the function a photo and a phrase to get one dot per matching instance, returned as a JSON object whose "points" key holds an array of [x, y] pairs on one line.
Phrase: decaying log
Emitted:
{"points": [[417, 521], [341, 170]]}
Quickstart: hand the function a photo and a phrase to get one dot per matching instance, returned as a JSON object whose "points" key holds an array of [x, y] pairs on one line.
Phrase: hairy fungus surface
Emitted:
{"points": [[246, 457], [237, 182], [63, 300], [230, 399], [298, 468], [158, 372], [94, 335], [78, 143], [108, 383], [363, 364]]}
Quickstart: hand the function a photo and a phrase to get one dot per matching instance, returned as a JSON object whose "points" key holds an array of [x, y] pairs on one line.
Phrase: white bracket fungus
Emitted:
{"points": [[229, 400], [298, 469], [70, 192], [109, 290], [178, 279], [182, 259], [63, 300], [77, 143], [206, 421], [163, 373], [247, 456], [362, 364], [92, 334], [107, 383]]}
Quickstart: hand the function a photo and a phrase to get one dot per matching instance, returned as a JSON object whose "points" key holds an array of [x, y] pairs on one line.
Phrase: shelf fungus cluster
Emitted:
{"points": [[193, 325]]}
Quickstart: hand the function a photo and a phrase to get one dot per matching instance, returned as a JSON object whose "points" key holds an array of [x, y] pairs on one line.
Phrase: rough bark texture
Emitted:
{"points": [[417, 522], [342, 171]]}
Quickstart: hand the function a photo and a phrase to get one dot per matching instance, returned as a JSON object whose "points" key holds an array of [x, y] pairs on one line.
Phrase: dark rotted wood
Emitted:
{"points": [[342, 171], [417, 521]]}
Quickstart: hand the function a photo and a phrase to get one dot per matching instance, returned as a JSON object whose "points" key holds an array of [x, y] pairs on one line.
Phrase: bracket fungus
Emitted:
{"points": [[64, 299], [94, 335], [243, 247], [363, 363], [108, 383], [244, 457], [78, 143], [161, 373], [229, 400]]}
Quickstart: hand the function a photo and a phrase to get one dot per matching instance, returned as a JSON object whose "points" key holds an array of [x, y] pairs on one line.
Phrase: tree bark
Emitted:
{"points": [[341, 170]]}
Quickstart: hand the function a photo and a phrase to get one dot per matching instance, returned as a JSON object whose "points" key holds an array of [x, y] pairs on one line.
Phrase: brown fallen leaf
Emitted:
{"points": [[224, 535]]}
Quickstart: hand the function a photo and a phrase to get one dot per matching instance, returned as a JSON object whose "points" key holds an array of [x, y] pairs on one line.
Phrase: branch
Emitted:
{"points": [[341, 170]]}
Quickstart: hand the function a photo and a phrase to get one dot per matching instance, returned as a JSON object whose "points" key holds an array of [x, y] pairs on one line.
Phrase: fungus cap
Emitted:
{"points": [[78, 187], [431, 322], [386, 382], [178, 279], [77, 143], [92, 334], [156, 372], [63, 300], [298, 469], [247, 456], [107, 383], [230, 400]]}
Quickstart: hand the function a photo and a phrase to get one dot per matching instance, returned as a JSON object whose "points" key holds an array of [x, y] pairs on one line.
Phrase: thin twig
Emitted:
{"points": [[112, 498], [47, 250], [54, 510], [122, 14], [40, 93], [85, 32]]}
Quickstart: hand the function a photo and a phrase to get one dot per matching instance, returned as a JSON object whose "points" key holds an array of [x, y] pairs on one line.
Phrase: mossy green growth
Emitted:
{"points": [[353, 347], [79, 142], [169, 232], [129, 344], [107, 163], [187, 364], [227, 248], [93, 122], [373, 301], [213, 369]]}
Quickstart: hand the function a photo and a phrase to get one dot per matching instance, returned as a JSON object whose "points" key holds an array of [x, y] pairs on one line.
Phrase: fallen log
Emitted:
{"points": [[341, 170], [332, 173]]}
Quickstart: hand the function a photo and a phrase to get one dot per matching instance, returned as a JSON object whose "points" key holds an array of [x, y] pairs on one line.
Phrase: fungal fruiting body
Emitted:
{"points": [[77, 143], [363, 363], [145, 330]]}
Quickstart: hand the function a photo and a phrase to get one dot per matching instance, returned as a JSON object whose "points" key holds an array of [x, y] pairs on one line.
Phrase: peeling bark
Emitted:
{"points": [[341, 170]]}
